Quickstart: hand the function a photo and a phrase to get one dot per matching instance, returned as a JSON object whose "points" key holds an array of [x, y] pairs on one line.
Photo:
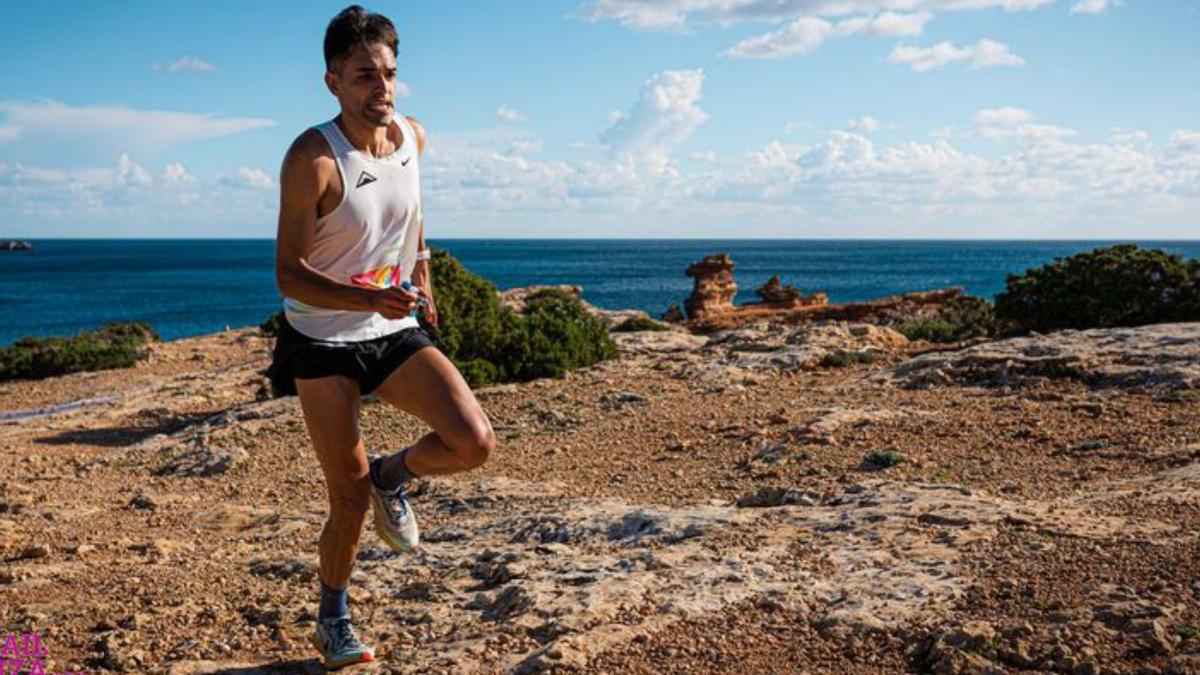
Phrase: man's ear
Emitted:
{"points": [[331, 82]]}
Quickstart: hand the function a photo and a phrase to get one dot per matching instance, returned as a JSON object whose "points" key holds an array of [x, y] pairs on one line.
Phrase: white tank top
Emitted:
{"points": [[369, 239]]}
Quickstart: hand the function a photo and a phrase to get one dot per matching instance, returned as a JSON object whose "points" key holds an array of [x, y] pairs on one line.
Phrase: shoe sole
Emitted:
{"points": [[338, 665], [377, 510]]}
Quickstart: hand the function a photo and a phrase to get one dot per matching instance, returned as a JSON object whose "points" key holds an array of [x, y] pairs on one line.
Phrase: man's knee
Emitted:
{"points": [[475, 449], [348, 504]]}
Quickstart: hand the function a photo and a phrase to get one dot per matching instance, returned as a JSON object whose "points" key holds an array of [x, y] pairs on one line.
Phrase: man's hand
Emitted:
{"points": [[421, 277], [393, 303]]}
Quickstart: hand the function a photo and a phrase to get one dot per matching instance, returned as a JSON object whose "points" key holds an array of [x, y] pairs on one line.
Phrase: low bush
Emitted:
{"points": [[115, 345], [270, 327], [1121, 285], [845, 357], [960, 319], [883, 459], [560, 335]]}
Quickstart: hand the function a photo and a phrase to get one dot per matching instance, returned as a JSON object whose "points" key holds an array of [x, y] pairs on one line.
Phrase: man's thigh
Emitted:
{"points": [[331, 406], [429, 386]]}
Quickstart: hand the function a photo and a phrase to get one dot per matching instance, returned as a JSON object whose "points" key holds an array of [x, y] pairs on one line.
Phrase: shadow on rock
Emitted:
{"points": [[120, 436]]}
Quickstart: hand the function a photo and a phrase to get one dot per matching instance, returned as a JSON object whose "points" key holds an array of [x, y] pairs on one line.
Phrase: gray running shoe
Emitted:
{"points": [[338, 644], [395, 522]]}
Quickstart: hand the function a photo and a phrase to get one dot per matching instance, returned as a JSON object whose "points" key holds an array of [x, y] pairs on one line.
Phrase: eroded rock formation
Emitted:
{"points": [[714, 288], [710, 306]]}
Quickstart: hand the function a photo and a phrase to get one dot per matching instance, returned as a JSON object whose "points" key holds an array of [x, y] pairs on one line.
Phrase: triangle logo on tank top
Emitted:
{"points": [[365, 178]]}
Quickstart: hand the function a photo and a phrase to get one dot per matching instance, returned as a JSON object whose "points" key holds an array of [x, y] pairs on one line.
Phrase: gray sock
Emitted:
{"points": [[333, 602], [396, 476]]}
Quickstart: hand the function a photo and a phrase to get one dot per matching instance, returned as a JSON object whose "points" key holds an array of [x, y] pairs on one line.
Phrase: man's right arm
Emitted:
{"points": [[300, 187], [299, 190]]}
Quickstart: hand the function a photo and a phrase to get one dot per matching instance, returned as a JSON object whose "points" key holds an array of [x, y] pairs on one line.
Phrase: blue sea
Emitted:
{"points": [[186, 287]]}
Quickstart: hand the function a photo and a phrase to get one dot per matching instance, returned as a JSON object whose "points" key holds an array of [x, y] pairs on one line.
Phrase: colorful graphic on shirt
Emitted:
{"points": [[391, 274], [387, 276]]}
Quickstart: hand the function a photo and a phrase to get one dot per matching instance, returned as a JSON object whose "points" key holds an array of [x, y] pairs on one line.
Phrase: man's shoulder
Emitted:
{"points": [[310, 144], [418, 129]]}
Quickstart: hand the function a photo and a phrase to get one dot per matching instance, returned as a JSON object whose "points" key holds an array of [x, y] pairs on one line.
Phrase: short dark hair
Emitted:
{"points": [[356, 26]]}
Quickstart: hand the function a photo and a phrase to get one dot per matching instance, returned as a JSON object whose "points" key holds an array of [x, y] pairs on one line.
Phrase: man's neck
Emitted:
{"points": [[372, 140]]}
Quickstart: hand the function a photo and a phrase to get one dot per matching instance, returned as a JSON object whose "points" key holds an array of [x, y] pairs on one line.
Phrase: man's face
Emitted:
{"points": [[365, 83]]}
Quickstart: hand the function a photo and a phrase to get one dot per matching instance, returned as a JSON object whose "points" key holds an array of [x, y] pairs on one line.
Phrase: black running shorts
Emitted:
{"points": [[297, 355]]}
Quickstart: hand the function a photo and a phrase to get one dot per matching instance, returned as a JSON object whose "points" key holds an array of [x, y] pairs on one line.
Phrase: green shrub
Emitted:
{"points": [[1091, 444], [933, 330], [473, 323], [970, 316], [270, 327], [960, 319], [636, 323], [489, 343], [845, 357], [115, 345], [1121, 285], [561, 336], [883, 459]]}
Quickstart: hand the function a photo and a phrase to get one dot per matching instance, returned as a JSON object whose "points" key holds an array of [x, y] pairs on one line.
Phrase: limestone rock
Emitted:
{"points": [[774, 291], [515, 298], [777, 496], [674, 314], [1160, 355], [713, 288]]}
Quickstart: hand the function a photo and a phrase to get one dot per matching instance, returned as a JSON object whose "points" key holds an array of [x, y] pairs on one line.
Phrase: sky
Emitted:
{"points": [[994, 119]]}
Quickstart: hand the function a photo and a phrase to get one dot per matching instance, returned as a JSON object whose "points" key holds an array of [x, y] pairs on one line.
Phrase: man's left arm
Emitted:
{"points": [[421, 276]]}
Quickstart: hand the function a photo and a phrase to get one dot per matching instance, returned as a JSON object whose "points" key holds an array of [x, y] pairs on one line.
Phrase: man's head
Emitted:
{"points": [[360, 64]]}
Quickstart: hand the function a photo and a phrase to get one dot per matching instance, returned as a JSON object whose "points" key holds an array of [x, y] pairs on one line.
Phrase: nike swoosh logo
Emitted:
{"points": [[405, 162]]}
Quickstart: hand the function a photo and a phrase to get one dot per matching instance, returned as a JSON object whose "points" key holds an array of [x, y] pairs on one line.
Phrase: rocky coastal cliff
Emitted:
{"points": [[723, 498]]}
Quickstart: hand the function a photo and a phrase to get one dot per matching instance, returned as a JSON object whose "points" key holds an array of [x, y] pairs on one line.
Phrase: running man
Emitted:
{"points": [[350, 235]]}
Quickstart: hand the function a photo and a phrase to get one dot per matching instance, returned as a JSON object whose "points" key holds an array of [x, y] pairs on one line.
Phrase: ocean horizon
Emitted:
{"points": [[191, 286]]}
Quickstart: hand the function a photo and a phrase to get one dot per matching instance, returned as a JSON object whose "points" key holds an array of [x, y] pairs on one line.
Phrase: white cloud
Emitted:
{"points": [[148, 130], [126, 198], [799, 37], [1092, 6], [1037, 180], [808, 22], [246, 177], [807, 33], [666, 113], [1127, 137], [506, 114], [9, 132], [989, 53], [843, 183], [176, 173], [886, 24], [524, 146], [130, 172], [403, 90], [1002, 117], [983, 54], [677, 15], [1016, 123], [1185, 140], [867, 125], [187, 64]]}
